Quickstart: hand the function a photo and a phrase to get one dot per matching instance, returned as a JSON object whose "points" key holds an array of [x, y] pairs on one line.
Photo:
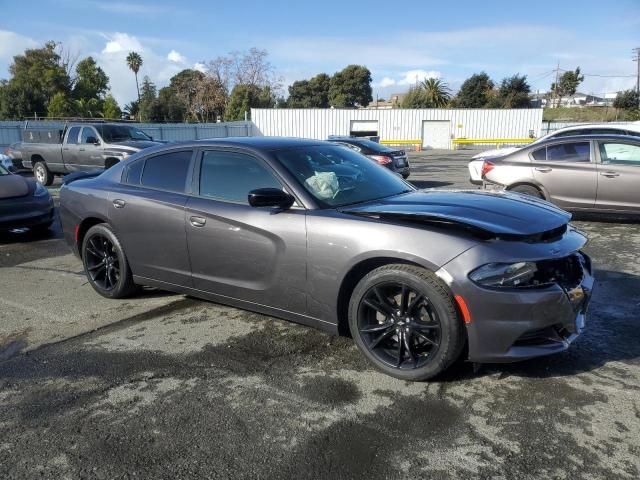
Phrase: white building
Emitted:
{"points": [[432, 128]]}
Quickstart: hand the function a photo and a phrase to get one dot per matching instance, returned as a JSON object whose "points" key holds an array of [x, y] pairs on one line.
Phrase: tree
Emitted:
{"points": [[36, 76], [436, 92], [148, 106], [475, 91], [627, 100], [244, 68], [513, 93], [110, 108], [415, 98], [134, 62], [312, 93], [351, 87], [87, 108], [59, 106], [568, 83], [91, 81], [245, 97], [131, 109]]}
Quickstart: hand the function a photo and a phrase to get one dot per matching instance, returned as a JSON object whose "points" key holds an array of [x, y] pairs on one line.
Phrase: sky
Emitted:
{"points": [[400, 43]]}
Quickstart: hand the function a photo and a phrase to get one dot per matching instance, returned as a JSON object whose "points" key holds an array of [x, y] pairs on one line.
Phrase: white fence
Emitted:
{"points": [[434, 128]]}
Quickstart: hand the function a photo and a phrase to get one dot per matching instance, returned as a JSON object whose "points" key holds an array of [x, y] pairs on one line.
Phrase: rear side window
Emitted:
{"points": [[540, 154], [134, 172], [569, 152], [230, 176], [167, 172], [72, 137]]}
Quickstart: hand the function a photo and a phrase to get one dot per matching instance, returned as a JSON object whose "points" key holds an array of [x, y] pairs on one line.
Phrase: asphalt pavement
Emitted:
{"points": [[166, 386]]}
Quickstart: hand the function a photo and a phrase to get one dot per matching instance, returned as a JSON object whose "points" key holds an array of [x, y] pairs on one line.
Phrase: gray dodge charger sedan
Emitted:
{"points": [[318, 234]]}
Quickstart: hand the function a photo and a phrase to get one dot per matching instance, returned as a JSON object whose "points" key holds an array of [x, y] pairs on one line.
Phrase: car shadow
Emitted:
{"points": [[612, 335]]}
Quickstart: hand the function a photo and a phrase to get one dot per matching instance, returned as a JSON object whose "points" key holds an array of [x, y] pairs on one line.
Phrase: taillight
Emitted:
{"points": [[487, 166], [381, 159]]}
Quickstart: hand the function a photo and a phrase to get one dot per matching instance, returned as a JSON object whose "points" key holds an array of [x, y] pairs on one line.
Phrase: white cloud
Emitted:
{"points": [[12, 43], [176, 57], [199, 66], [159, 68], [414, 76], [385, 82]]}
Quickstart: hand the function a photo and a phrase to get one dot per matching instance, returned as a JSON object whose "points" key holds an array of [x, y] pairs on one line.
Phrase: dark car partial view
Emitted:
{"points": [[318, 234], [585, 173], [23, 203], [394, 160]]}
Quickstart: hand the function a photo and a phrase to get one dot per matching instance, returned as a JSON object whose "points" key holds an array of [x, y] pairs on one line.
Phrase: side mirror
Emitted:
{"points": [[270, 197], [92, 140], [150, 138]]}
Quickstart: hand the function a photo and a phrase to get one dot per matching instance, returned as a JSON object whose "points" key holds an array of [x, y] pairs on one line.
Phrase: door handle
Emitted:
{"points": [[609, 174], [119, 203], [544, 169], [198, 221]]}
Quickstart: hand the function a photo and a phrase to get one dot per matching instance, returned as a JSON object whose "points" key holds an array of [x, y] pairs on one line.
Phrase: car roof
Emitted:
{"points": [[635, 126], [584, 138]]}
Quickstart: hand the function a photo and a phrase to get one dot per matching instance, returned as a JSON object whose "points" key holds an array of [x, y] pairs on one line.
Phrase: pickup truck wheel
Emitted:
{"points": [[42, 174]]}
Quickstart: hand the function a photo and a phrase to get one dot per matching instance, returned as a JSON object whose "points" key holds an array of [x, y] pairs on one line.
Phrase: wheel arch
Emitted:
{"points": [[36, 157], [83, 228], [351, 279], [530, 183]]}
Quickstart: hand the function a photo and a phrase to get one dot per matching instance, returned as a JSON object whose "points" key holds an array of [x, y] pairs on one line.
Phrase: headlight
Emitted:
{"points": [[509, 275], [40, 191]]}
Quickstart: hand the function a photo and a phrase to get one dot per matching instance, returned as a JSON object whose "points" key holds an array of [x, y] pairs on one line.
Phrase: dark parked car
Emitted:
{"points": [[586, 173], [23, 203], [79, 147], [287, 228], [394, 160]]}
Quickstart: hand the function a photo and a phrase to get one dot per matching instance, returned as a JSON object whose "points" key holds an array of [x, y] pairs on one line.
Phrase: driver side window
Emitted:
{"points": [[89, 135], [230, 176]]}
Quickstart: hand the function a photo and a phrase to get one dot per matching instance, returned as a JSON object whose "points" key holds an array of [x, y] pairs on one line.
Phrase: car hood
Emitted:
{"points": [[495, 153], [489, 214], [12, 186], [137, 144]]}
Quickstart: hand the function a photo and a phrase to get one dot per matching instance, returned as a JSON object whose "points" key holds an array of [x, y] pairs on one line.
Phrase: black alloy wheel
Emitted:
{"points": [[105, 263], [405, 321], [399, 325]]}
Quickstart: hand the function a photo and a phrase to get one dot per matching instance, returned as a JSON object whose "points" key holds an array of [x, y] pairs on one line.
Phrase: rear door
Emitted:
{"points": [[147, 212], [567, 171], [618, 176], [252, 254], [70, 149]]}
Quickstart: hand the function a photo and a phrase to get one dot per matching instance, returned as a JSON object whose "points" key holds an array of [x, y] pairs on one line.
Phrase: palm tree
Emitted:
{"points": [[437, 92], [134, 62]]}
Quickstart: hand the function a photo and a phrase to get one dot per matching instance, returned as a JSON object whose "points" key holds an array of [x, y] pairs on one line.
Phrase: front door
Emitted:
{"points": [[619, 176], [239, 251], [567, 171], [70, 149], [147, 211], [90, 150]]}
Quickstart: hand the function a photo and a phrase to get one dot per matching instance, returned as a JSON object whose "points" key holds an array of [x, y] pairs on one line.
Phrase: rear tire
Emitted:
{"points": [[105, 263], [527, 190], [404, 320], [42, 174]]}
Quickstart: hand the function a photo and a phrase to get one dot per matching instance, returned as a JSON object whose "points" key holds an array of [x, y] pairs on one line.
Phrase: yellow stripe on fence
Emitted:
{"points": [[497, 141], [401, 142]]}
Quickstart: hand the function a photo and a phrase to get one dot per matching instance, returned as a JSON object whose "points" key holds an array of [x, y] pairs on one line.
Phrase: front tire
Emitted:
{"points": [[405, 321], [42, 174], [105, 263]]}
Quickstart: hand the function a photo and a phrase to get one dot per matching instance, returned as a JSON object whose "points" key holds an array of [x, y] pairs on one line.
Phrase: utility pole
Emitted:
{"points": [[555, 90], [636, 51]]}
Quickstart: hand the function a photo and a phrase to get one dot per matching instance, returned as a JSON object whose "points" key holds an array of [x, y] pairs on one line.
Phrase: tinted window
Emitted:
{"points": [[72, 138], [620, 153], [134, 171], [231, 176], [337, 176], [633, 134], [88, 133], [569, 152], [540, 154], [167, 172]]}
